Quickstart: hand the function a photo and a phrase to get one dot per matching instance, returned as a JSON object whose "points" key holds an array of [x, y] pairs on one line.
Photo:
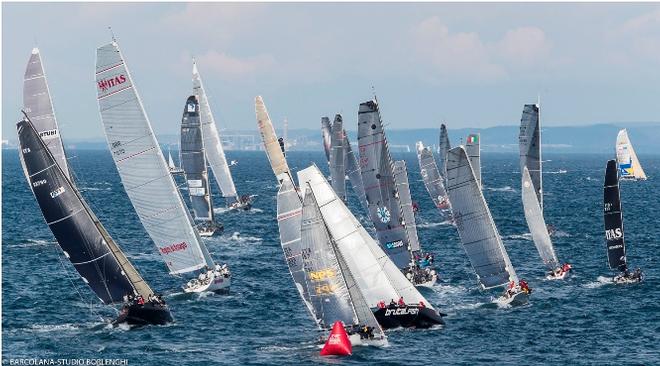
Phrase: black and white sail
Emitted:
{"points": [[380, 187], [443, 149], [338, 157], [37, 103], [192, 155], [405, 200], [530, 147], [80, 235], [475, 225], [613, 217], [433, 181], [473, 150]]}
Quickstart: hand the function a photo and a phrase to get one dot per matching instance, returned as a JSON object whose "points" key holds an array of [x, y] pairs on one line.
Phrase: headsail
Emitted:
{"points": [[433, 181], [81, 236], [38, 105], [475, 225], [379, 185], [405, 199], [613, 217], [473, 150], [142, 167], [193, 161], [272, 145], [443, 149], [337, 158], [530, 148], [326, 132], [170, 161], [214, 151], [627, 158], [536, 222]]}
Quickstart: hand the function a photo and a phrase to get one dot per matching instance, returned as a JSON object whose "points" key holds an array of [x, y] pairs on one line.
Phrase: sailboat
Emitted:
{"points": [[614, 235], [532, 190], [326, 133], [146, 176], [443, 150], [384, 199], [629, 165], [193, 163], [479, 236], [170, 164], [473, 149], [374, 274], [433, 181], [338, 157], [83, 239], [215, 154]]}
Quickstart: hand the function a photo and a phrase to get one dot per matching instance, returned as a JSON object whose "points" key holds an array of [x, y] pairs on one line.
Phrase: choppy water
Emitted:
{"points": [[583, 320]]}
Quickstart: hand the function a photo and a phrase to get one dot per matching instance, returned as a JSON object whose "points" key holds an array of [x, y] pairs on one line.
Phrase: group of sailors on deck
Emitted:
{"points": [[559, 271], [513, 289], [365, 332], [397, 304], [130, 299]]}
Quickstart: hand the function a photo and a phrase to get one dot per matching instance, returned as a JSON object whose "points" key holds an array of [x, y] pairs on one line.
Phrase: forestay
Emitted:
{"points": [[613, 217], [142, 167], [475, 225], [529, 141], [38, 105], [401, 179], [473, 150], [193, 161], [379, 186], [443, 149], [214, 150], [627, 158], [431, 176], [536, 222], [337, 158], [273, 149]]}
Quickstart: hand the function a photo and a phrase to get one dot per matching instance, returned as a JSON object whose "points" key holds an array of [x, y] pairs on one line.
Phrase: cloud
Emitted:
{"points": [[644, 22], [524, 46], [230, 67]]}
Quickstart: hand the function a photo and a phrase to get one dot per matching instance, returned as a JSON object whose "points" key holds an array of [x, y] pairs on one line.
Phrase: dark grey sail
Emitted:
{"points": [[353, 171], [379, 185], [405, 200], [326, 132], [431, 176], [337, 158], [193, 161], [530, 147], [613, 217], [443, 149], [81, 236]]}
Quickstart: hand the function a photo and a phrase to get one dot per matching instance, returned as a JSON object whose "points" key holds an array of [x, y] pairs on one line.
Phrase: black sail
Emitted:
{"points": [[613, 216], [70, 221]]}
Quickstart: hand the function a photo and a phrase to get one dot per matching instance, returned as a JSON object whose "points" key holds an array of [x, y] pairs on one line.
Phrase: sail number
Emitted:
{"points": [[608, 206], [322, 274], [325, 289]]}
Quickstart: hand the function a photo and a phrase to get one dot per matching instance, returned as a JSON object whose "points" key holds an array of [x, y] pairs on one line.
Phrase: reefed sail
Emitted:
{"points": [[613, 217], [337, 158], [529, 141], [431, 176], [475, 225], [473, 150], [536, 222], [626, 157]]}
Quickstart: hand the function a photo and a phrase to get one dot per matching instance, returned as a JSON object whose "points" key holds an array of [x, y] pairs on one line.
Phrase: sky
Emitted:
{"points": [[465, 64]]}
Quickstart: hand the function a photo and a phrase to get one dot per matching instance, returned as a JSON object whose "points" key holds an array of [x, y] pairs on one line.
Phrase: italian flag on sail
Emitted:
{"points": [[473, 139]]}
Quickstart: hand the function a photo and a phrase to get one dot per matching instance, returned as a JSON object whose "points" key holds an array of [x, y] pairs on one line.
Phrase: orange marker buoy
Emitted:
{"points": [[338, 343]]}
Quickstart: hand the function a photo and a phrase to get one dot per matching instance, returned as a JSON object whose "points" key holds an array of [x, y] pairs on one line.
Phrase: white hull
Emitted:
{"points": [[557, 277], [428, 284], [375, 342], [206, 232], [519, 298], [626, 280], [216, 284]]}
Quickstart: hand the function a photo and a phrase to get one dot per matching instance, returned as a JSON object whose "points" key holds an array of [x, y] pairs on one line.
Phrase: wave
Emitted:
{"points": [[84, 189], [236, 236], [560, 171], [525, 236], [560, 234], [501, 189], [434, 224], [600, 282], [33, 243]]}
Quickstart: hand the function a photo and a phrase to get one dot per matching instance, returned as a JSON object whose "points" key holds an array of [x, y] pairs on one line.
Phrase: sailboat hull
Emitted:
{"points": [[519, 298], [410, 316], [147, 314], [622, 279], [218, 284]]}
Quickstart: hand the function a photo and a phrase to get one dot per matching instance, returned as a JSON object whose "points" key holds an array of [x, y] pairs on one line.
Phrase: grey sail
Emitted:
{"points": [[328, 291], [379, 185], [475, 225], [405, 199], [530, 147], [193, 161], [433, 181], [473, 149], [215, 153], [337, 157], [142, 167], [353, 172], [536, 222], [38, 105], [326, 132], [443, 149]]}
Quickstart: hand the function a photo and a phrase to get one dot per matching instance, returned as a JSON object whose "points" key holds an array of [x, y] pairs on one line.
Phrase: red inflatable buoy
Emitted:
{"points": [[338, 343]]}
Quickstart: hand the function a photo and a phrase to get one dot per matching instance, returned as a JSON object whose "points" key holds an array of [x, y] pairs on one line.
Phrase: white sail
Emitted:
{"points": [[273, 149], [529, 141], [376, 275], [626, 158], [142, 166], [473, 149], [536, 222], [212, 143], [475, 225], [405, 199], [170, 162], [38, 105]]}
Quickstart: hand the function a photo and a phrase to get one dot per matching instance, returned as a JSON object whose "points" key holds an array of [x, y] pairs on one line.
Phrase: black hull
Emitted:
{"points": [[408, 317], [147, 314]]}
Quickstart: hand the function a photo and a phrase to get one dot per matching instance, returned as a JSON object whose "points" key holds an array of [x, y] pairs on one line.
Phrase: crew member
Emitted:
{"points": [[401, 302]]}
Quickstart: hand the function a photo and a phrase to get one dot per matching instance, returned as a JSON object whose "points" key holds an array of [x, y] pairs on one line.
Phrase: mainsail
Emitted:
{"points": [[613, 217], [193, 161], [530, 147], [536, 222], [625, 155], [337, 158], [38, 105], [405, 199], [475, 225], [326, 132], [142, 167], [431, 176], [380, 188], [473, 150], [84, 241], [214, 151], [353, 172], [443, 149], [271, 144]]}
